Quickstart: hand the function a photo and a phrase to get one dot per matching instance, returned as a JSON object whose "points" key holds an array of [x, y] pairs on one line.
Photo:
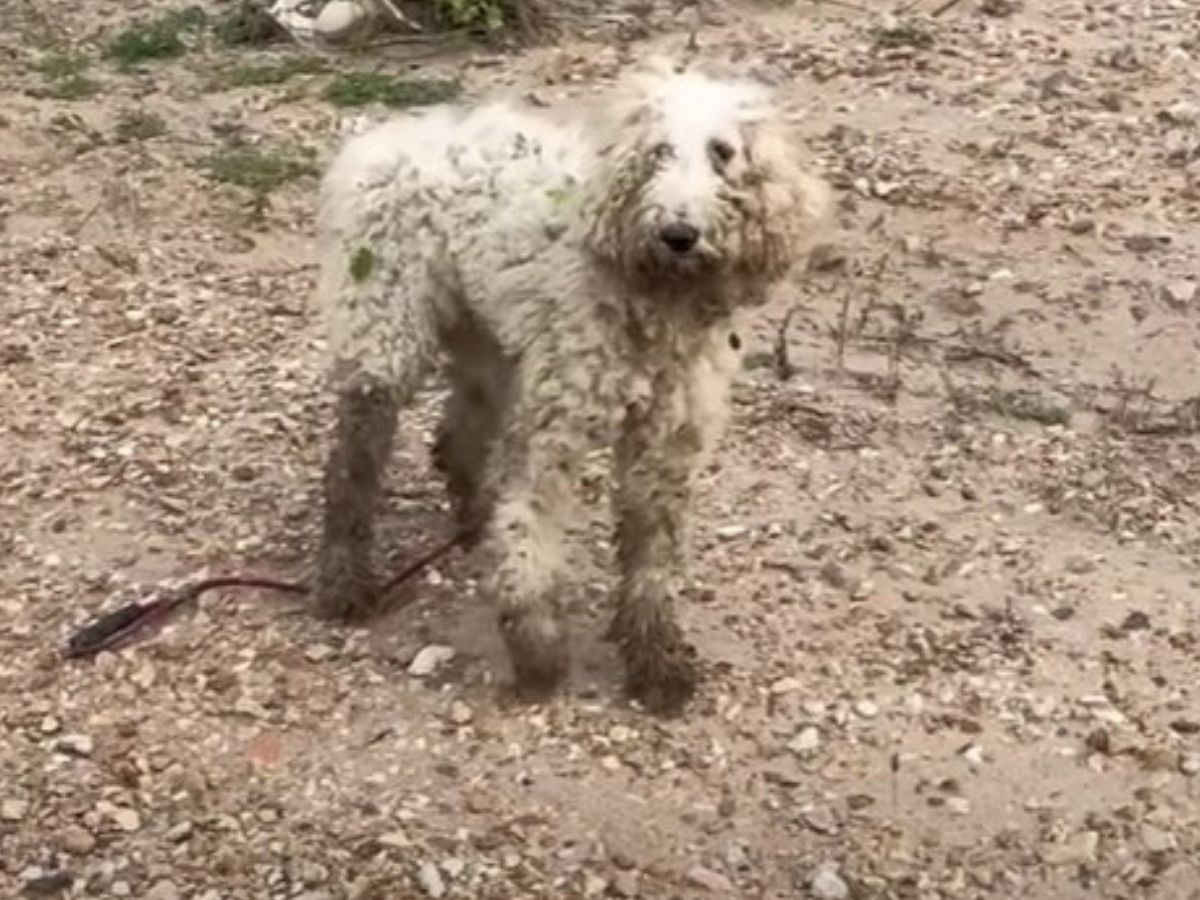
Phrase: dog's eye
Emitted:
{"points": [[662, 150], [722, 151]]}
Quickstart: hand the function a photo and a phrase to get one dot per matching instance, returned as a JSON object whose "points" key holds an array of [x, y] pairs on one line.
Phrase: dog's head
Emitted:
{"points": [[700, 179]]}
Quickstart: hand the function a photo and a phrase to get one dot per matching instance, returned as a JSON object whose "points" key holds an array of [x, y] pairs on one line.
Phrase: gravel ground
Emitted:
{"points": [[948, 549]]}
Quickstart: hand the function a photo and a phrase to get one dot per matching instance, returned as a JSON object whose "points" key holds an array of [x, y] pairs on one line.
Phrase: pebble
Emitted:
{"points": [[1179, 294], [820, 820], [1079, 849], [1189, 764], [318, 652], [788, 685], [712, 881], [126, 819], [594, 885], [827, 884], [430, 880], [732, 532], [1156, 840], [960, 806], [429, 659], [625, 884], [13, 810], [75, 744], [77, 840], [806, 741], [163, 890], [460, 713], [866, 708], [45, 884]]}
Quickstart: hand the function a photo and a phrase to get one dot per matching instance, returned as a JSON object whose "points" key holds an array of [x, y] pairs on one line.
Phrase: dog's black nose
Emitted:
{"points": [[679, 236]]}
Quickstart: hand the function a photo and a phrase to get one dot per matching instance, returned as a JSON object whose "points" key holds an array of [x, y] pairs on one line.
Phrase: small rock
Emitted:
{"points": [[393, 839], [46, 884], [820, 819], [1156, 840], [960, 806], [732, 532], [788, 685], [712, 881], [76, 840], [834, 574], [179, 832], [430, 880], [806, 741], [125, 818], [973, 754], [460, 713], [429, 659], [13, 810], [1079, 849], [866, 708], [163, 890], [318, 652], [1145, 243], [827, 884], [75, 744], [625, 884], [1189, 764], [1179, 294], [594, 885]]}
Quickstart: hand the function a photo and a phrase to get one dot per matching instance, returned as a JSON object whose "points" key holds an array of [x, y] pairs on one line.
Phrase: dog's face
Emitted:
{"points": [[701, 181]]}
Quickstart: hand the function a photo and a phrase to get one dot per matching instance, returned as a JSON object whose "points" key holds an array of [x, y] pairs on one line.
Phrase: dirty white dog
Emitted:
{"points": [[581, 283]]}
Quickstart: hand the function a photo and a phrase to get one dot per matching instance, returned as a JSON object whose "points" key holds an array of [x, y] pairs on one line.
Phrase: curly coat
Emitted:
{"points": [[582, 282]]}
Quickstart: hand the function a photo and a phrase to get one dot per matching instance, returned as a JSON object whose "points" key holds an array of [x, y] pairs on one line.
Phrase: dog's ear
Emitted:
{"points": [[790, 205]]}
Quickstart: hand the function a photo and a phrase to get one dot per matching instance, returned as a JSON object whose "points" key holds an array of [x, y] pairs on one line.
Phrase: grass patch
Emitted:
{"points": [[66, 76], [262, 74], [258, 170], [488, 15], [135, 125], [161, 38], [363, 88]]}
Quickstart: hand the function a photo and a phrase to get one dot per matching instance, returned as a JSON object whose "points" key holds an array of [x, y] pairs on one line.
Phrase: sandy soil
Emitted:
{"points": [[948, 547]]}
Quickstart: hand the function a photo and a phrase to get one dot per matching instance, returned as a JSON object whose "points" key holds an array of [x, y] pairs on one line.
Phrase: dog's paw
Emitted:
{"points": [[664, 679], [345, 589], [537, 648]]}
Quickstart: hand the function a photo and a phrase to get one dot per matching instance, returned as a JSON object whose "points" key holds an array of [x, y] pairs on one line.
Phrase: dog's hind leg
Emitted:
{"points": [[383, 348], [480, 393]]}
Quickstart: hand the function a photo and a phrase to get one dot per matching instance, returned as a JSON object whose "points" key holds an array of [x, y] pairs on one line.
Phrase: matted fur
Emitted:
{"points": [[583, 281]]}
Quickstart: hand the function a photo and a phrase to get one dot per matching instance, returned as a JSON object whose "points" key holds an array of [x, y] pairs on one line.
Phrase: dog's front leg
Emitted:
{"points": [[655, 459], [535, 477]]}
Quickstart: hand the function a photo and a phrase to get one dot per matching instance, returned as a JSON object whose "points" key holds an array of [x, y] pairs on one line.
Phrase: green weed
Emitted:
{"points": [[161, 38], [363, 88]]}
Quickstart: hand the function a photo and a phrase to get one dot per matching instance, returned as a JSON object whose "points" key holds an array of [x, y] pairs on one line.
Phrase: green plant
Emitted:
{"points": [[139, 125], [257, 170], [260, 74], [489, 15], [161, 38], [65, 74], [362, 88]]}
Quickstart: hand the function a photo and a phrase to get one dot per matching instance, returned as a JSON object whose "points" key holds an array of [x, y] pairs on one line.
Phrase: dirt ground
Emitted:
{"points": [[947, 552]]}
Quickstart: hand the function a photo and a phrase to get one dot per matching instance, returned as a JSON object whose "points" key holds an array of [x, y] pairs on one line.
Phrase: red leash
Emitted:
{"points": [[116, 628]]}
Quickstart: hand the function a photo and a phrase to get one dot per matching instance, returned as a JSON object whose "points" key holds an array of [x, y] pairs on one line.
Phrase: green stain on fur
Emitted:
{"points": [[362, 264]]}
